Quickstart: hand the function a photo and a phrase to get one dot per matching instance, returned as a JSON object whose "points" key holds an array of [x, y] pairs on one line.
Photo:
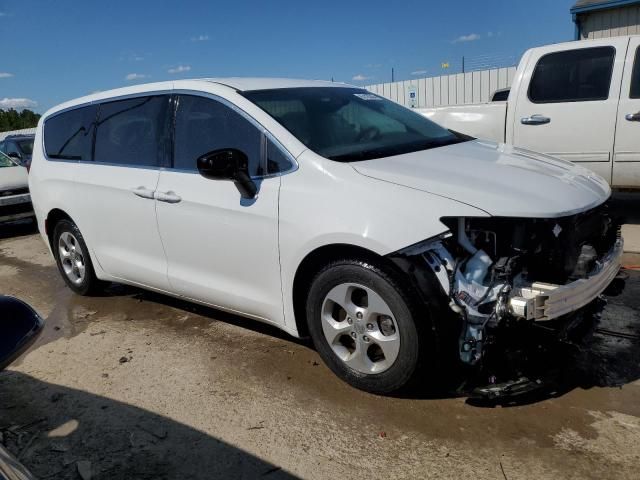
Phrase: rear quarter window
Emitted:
{"points": [[580, 75], [69, 135]]}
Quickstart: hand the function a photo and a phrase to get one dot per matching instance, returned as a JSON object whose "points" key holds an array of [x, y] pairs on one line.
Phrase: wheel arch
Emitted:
{"points": [[52, 219], [311, 265]]}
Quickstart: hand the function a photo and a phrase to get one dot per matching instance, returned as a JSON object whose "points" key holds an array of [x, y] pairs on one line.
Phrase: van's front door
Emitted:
{"points": [[626, 159], [117, 189], [222, 249], [569, 109]]}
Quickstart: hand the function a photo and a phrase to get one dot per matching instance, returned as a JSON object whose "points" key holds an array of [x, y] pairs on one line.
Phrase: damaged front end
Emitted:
{"points": [[494, 272]]}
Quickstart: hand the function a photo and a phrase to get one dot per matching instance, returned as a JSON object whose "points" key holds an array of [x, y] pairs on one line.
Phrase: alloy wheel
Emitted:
{"points": [[360, 328], [72, 258]]}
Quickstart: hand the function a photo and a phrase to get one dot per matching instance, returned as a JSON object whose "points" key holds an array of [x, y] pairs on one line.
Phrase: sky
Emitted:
{"points": [[55, 50]]}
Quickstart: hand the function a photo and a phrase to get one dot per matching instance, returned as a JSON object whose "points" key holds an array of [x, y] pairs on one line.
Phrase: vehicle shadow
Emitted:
{"points": [[625, 205], [116, 290], [19, 228], [604, 351], [52, 428]]}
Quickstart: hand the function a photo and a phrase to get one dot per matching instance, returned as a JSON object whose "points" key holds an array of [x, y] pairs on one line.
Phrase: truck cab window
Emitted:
{"points": [[580, 75], [635, 77]]}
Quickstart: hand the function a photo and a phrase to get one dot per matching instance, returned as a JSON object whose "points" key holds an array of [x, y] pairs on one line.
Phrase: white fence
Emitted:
{"points": [[458, 89], [24, 131]]}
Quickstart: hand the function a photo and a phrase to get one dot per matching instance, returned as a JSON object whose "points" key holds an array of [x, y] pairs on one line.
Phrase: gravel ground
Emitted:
{"points": [[136, 385]]}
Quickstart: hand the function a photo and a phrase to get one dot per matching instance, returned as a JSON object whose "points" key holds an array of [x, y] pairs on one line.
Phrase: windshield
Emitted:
{"points": [[5, 161], [26, 146], [350, 124]]}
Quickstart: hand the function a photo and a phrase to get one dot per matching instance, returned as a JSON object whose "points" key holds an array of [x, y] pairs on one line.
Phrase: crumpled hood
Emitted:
{"points": [[499, 179]]}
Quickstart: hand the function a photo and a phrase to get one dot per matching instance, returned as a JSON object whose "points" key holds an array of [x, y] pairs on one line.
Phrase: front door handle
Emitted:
{"points": [[168, 197], [535, 120], [143, 192], [633, 117]]}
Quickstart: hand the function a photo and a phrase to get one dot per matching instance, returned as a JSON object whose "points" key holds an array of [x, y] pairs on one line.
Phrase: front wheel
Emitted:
{"points": [[363, 324]]}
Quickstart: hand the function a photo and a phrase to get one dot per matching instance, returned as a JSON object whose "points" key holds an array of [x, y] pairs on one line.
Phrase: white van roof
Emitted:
{"points": [[242, 84], [264, 83]]}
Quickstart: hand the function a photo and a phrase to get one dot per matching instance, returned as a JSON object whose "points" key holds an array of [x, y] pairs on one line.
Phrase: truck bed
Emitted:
{"points": [[485, 120]]}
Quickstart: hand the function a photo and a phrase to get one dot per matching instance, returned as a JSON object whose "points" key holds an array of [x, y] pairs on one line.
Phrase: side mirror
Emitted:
{"points": [[20, 325], [228, 164]]}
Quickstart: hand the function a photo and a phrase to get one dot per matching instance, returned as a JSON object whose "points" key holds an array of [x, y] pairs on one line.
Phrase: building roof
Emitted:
{"points": [[590, 5]]}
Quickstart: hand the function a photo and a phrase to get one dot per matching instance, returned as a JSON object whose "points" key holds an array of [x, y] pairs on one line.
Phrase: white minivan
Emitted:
{"points": [[325, 210]]}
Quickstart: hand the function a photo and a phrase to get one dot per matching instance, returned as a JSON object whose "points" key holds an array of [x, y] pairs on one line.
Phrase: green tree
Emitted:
{"points": [[12, 120]]}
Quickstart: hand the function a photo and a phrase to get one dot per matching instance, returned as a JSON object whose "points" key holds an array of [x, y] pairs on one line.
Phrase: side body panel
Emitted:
{"points": [[329, 203], [221, 248], [119, 225], [51, 185], [626, 158]]}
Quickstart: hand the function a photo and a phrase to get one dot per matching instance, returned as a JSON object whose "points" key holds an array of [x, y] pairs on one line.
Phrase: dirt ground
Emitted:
{"points": [[133, 385]]}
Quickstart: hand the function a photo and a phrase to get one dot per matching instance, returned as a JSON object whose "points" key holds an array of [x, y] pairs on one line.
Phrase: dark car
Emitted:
{"points": [[19, 147], [19, 329]]}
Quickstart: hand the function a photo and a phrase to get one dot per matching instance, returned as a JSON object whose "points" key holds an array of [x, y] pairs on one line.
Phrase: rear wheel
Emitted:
{"points": [[363, 325], [73, 260]]}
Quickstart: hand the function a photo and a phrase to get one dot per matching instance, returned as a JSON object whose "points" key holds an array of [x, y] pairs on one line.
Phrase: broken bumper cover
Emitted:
{"points": [[544, 301]]}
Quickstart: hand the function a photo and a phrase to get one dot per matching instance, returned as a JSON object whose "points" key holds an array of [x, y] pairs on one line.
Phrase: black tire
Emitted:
{"points": [[90, 284], [409, 315]]}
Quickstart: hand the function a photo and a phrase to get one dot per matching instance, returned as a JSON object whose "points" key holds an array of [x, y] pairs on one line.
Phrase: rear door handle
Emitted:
{"points": [[167, 197], [143, 192], [535, 120], [633, 117]]}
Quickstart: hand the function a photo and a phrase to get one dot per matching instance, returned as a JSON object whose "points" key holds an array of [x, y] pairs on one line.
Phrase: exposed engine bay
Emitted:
{"points": [[497, 271]]}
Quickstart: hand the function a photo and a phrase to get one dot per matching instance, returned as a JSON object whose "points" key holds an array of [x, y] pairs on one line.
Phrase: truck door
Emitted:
{"points": [[568, 102], [626, 158]]}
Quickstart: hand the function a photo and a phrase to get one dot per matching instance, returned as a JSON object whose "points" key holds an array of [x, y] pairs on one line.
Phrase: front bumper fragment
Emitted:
{"points": [[543, 301]]}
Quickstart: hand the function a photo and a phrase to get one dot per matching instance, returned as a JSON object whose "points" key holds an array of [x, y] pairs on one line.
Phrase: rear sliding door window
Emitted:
{"points": [[204, 125], [69, 135], [581, 75], [635, 78], [134, 132]]}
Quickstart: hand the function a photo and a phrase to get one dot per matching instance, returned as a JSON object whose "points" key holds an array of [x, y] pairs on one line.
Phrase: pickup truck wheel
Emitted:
{"points": [[362, 323], [73, 260]]}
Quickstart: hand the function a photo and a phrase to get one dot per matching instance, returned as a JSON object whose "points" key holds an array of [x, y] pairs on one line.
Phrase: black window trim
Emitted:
{"points": [[635, 70], [265, 134], [98, 103], [173, 105], [613, 67]]}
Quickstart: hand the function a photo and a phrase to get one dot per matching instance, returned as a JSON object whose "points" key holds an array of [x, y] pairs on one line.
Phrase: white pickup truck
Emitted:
{"points": [[579, 101]]}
